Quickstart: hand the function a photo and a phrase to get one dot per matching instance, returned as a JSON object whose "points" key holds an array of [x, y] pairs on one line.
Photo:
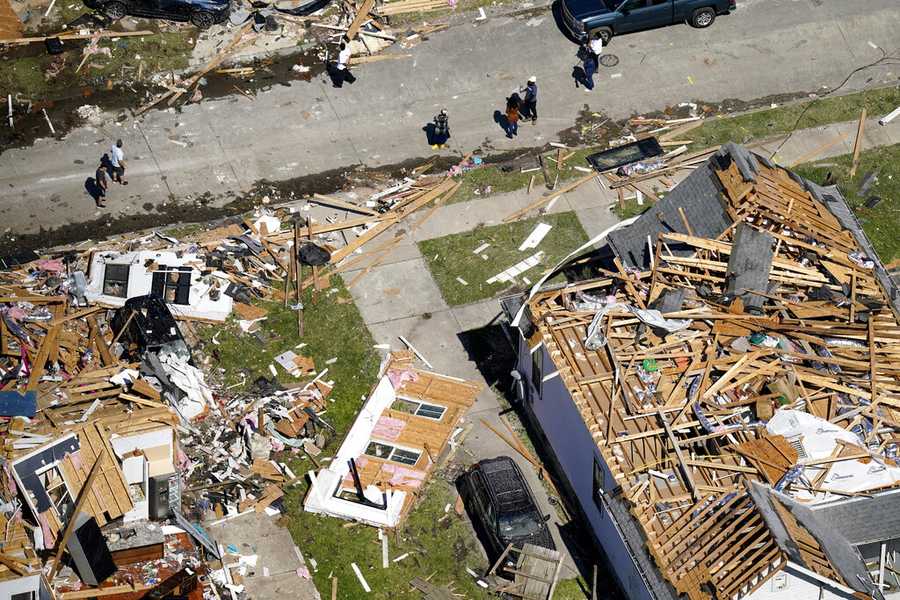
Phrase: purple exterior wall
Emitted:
{"points": [[556, 415]]}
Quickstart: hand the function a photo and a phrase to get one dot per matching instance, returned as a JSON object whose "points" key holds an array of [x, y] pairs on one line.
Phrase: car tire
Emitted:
{"points": [[203, 19], [703, 17], [115, 10], [605, 34]]}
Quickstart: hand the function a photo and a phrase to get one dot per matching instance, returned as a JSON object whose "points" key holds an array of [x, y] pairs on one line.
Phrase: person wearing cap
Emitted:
{"points": [[529, 102]]}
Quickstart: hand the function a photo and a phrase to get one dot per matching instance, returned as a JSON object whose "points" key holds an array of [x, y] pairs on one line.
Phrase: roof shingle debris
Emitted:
{"points": [[780, 396]]}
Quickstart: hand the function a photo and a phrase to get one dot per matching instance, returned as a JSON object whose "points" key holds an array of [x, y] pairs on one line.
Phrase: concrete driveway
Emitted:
{"points": [[766, 47]]}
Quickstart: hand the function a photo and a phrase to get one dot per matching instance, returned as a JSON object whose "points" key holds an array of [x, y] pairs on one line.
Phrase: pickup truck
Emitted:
{"points": [[606, 18]]}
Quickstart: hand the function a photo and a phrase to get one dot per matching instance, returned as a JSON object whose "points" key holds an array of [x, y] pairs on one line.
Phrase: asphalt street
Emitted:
{"points": [[766, 47]]}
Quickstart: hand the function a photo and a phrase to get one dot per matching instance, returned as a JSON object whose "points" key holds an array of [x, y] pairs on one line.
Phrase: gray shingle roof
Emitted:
{"points": [[864, 520], [698, 195], [841, 554], [749, 264]]}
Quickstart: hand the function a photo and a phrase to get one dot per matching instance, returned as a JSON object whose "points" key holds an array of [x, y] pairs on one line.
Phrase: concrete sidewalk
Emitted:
{"points": [[767, 47]]}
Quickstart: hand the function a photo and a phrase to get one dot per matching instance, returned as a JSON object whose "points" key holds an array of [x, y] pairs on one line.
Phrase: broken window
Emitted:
{"points": [[392, 453], [55, 486], [419, 409], [172, 284], [115, 280]]}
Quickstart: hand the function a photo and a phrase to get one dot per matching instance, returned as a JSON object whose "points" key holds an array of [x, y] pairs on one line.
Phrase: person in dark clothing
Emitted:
{"points": [[513, 105], [441, 129], [529, 103], [101, 181], [589, 63]]}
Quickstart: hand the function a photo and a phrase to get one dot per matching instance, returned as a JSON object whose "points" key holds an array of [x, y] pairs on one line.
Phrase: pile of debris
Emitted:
{"points": [[117, 445], [733, 353]]}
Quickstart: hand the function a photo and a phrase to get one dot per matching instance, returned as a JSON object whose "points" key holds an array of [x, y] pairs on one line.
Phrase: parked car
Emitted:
{"points": [[202, 13], [584, 18], [501, 506]]}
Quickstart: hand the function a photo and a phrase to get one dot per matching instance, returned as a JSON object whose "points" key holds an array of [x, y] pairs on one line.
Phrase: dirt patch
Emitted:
{"points": [[30, 123], [207, 207]]}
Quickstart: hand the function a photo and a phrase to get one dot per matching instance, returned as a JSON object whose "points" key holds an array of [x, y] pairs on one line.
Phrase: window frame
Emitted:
{"points": [[390, 455], [598, 478], [419, 404], [65, 500], [107, 279], [161, 278]]}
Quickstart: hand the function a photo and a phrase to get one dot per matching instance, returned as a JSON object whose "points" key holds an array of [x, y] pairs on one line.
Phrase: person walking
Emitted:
{"points": [[589, 64], [596, 46], [441, 129], [117, 162], [529, 103], [513, 104], [101, 181], [341, 73]]}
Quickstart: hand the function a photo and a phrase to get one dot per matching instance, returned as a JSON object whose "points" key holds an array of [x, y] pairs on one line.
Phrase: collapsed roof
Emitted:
{"points": [[735, 362]]}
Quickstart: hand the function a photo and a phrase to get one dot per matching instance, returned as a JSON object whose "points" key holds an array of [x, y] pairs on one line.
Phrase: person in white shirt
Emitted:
{"points": [[341, 72], [117, 160], [596, 46]]}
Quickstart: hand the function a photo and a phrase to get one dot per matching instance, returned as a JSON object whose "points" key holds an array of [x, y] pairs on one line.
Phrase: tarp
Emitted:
{"points": [[14, 404]]}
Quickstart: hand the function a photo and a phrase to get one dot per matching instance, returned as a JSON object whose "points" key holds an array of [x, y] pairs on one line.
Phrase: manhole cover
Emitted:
{"points": [[609, 60]]}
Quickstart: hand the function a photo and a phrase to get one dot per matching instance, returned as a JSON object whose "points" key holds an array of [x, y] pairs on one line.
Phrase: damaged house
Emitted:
{"points": [[182, 280], [410, 417], [717, 388]]}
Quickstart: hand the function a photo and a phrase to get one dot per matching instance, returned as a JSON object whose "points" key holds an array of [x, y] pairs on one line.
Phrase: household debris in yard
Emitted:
{"points": [[256, 40], [631, 166], [119, 437], [731, 356], [396, 441]]}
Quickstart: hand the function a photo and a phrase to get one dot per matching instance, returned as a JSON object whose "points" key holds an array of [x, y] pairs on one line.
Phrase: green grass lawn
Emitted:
{"points": [[440, 546], [475, 182], [452, 256], [882, 222], [333, 328], [761, 124]]}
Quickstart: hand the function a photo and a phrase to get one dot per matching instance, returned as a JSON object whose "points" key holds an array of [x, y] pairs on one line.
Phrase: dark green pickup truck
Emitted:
{"points": [[584, 18]]}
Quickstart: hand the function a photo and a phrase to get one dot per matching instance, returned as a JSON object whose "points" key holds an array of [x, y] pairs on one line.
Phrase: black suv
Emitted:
{"points": [[499, 501], [202, 13]]}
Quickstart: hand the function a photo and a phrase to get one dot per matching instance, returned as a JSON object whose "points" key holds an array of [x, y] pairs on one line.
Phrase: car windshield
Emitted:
{"points": [[518, 524]]}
